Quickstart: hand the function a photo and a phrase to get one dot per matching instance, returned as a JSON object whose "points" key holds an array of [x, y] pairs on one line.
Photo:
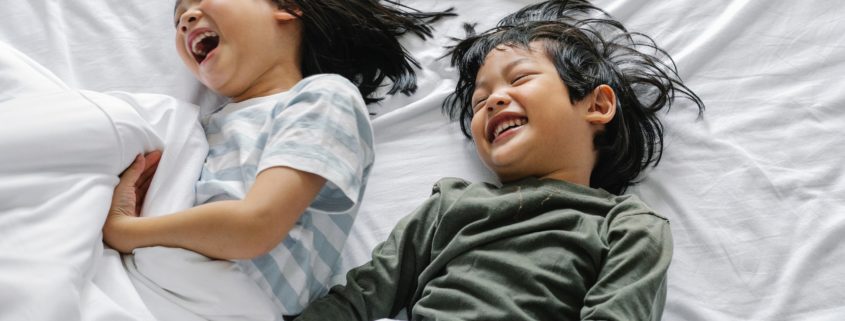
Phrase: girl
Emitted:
{"points": [[290, 154]]}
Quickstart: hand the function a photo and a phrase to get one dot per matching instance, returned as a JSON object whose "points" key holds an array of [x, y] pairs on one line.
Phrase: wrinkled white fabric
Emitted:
{"points": [[754, 190], [62, 152]]}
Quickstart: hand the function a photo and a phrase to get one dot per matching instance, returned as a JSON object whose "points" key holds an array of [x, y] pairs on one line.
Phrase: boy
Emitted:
{"points": [[563, 109]]}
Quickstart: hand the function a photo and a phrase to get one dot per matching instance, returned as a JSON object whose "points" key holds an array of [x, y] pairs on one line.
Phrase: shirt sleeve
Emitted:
{"points": [[632, 282], [324, 129], [385, 285]]}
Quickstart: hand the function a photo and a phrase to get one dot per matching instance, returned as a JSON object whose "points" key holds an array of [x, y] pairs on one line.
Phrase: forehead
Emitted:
{"points": [[506, 56], [510, 51]]}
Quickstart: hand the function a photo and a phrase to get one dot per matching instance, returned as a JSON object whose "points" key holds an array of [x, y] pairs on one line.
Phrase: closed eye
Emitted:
{"points": [[520, 79], [177, 17], [178, 10], [478, 105]]}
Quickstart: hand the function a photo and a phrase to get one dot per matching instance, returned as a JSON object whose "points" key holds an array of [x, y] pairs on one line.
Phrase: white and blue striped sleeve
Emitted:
{"points": [[323, 128]]}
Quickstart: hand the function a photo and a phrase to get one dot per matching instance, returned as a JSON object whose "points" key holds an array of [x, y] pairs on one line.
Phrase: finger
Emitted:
{"points": [[147, 175], [151, 165], [130, 175], [151, 160], [143, 184], [142, 188], [141, 193], [153, 156]]}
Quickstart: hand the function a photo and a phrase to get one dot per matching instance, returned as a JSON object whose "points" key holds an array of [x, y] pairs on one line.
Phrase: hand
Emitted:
{"points": [[128, 198]]}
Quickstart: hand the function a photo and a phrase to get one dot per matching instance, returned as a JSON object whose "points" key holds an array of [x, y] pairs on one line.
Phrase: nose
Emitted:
{"points": [[188, 18], [497, 101]]}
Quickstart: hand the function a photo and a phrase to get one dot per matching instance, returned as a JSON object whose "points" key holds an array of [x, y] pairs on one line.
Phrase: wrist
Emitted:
{"points": [[118, 233]]}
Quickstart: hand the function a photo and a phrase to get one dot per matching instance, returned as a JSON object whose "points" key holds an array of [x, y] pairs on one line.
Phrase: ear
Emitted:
{"points": [[602, 105], [283, 15]]}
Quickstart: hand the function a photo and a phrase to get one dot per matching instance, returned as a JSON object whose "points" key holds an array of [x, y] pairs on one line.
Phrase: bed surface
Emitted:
{"points": [[755, 190]]}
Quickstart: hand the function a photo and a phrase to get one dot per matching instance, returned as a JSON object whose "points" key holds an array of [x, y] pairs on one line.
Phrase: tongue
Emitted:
{"points": [[208, 44]]}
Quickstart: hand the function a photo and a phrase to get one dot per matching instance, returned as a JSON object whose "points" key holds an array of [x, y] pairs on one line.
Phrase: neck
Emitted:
{"points": [[273, 81], [578, 173], [579, 178]]}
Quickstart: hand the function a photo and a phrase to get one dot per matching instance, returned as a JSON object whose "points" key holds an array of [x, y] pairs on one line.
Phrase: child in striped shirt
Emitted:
{"points": [[290, 154]]}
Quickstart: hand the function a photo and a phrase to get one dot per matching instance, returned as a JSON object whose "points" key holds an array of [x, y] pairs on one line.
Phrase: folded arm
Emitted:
{"points": [[238, 229]]}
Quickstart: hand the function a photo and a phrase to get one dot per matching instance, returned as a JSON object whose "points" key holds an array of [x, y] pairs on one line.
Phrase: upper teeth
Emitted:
{"points": [[501, 127], [198, 39]]}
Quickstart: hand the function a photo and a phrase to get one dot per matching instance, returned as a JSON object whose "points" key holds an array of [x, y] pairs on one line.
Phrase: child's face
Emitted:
{"points": [[232, 46], [524, 123]]}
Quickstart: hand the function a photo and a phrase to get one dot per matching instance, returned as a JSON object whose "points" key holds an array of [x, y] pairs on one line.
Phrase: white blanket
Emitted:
{"points": [[63, 151], [753, 190]]}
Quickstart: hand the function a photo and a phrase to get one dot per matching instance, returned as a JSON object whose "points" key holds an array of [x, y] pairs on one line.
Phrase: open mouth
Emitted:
{"points": [[500, 127], [203, 44]]}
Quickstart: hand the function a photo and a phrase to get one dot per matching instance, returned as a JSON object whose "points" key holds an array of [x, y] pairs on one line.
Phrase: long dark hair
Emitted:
{"points": [[587, 51], [358, 39]]}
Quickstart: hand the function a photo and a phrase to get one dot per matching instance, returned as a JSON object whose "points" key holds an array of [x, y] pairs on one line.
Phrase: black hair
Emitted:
{"points": [[358, 39], [587, 51]]}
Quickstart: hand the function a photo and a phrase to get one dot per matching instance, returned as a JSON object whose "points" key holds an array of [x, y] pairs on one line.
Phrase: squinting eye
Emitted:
{"points": [[478, 105], [519, 79]]}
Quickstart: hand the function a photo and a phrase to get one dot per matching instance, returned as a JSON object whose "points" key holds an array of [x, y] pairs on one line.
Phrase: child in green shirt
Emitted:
{"points": [[563, 108]]}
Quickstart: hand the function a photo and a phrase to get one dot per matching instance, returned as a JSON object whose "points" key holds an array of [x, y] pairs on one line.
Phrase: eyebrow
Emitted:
{"points": [[511, 65]]}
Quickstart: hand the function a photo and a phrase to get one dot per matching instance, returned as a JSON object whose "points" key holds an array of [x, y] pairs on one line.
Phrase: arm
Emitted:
{"points": [[323, 129], [632, 283], [227, 229], [382, 287]]}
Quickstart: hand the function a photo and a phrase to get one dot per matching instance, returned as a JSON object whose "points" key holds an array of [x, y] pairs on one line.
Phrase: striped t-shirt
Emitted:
{"points": [[319, 126]]}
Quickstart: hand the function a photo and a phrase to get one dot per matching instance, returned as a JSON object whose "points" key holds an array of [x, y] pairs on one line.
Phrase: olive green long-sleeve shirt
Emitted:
{"points": [[530, 250]]}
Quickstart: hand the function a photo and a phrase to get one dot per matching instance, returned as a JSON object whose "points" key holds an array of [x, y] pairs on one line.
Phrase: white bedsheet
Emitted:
{"points": [[755, 191]]}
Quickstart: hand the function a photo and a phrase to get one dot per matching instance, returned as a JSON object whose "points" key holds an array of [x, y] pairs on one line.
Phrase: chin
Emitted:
{"points": [[219, 89]]}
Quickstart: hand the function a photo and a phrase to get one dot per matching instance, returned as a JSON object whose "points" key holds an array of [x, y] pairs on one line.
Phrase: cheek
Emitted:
{"points": [[187, 58], [177, 42], [477, 126], [180, 48]]}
